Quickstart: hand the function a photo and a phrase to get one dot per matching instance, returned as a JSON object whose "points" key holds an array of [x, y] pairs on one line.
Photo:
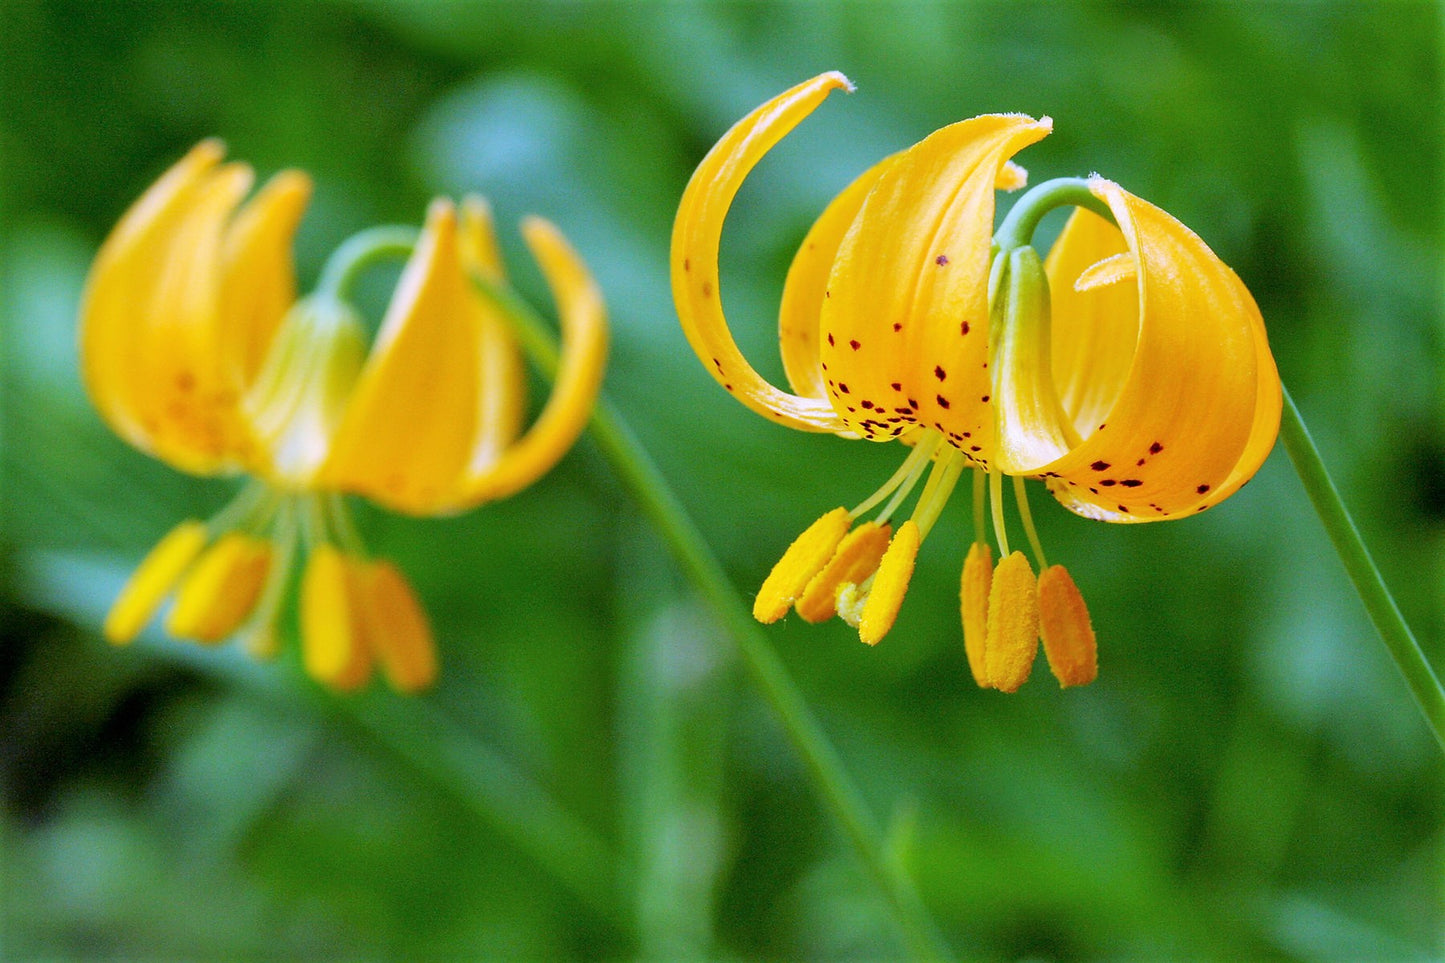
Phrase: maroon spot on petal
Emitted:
{"points": [[975, 448], [843, 388], [1124, 508], [1108, 483], [897, 325], [941, 260], [939, 373], [1131, 483], [985, 399], [707, 289], [1138, 463], [1100, 466], [830, 339], [728, 387], [897, 386], [1155, 448], [687, 264], [866, 403], [1202, 489], [942, 401], [963, 328], [854, 345]]}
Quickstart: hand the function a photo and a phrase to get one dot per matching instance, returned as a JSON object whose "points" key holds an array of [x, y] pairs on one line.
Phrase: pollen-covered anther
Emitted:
{"points": [[1012, 638], [973, 600], [804, 559], [334, 647], [890, 584], [1066, 630], [856, 558], [153, 580], [221, 589]]}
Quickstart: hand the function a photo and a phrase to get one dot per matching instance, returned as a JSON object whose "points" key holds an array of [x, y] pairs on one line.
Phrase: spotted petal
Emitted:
{"points": [[695, 237], [1166, 374], [905, 322]]}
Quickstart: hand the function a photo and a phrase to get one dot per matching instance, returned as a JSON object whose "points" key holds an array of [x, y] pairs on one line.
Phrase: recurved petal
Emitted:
{"points": [[406, 435], [1188, 407], [579, 373], [695, 237], [806, 286], [151, 323], [502, 382], [905, 325], [258, 276]]}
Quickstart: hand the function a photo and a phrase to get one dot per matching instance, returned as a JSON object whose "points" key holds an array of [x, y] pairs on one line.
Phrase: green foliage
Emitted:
{"points": [[594, 777]]}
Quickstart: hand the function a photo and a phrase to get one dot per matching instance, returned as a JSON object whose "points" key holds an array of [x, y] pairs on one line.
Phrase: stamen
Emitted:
{"points": [[153, 580], [259, 634], [916, 473], [936, 493], [921, 453], [220, 590], [399, 629], [973, 591], [1012, 639], [1067, 633], [1022, 497], [890, 584], [980, 499], [333, 647], [995, 492], [804, 558], [856, 559]]}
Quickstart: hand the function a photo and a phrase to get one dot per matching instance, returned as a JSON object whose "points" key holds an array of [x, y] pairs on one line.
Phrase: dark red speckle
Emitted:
{"points": [[1202, 489], [1100, 466], [1155, 448], [854, 345], [941, 260]]}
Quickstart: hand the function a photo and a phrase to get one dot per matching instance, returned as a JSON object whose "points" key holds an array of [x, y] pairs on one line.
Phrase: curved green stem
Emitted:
{"points": [[1017, 229], [1383, 611], [660, 504], [361, 251]]}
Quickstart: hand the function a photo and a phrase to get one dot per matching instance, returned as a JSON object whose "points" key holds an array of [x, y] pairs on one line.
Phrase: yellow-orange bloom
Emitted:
{"points": [[196, 350], [1130, 370]]}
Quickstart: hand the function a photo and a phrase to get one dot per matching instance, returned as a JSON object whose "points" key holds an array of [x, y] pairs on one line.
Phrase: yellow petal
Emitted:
{"points": [[333, 641], [856, 558], [890, 584], [579, 372], [804, 559], [1013, 624], [221, 589], [152, 325], [695, 237], [905, 327], [407, 433], [1192, 398], [502, 377], [1065, 628], [152, 581], [121, 278], [258, 283], [398, 628], [973, 592], [807, 285]]}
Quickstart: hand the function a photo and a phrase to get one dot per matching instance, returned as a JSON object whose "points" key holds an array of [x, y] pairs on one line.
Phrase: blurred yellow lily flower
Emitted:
{"points": [[1130, 371], [196, 351]]}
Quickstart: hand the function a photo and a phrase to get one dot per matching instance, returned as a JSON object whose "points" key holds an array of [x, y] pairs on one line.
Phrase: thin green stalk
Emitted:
{"points": [[658, 502], [1384, 613]]}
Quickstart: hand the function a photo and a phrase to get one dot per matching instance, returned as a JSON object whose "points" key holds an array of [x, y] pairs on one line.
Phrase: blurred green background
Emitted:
{"points": [[594, 776]]}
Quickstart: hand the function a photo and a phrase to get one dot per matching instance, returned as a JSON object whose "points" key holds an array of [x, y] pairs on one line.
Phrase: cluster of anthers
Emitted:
{"points": [[196, 350], [1129, 370]]}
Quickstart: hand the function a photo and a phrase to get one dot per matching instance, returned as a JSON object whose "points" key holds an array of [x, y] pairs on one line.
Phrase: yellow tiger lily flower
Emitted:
{"points": [[196, 351], [1130, 370]]}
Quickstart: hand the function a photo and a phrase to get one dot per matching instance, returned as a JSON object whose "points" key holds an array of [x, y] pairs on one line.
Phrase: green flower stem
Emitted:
{"points": [[1383, 611], [661, 506], [361, 251], [1017, 229]]}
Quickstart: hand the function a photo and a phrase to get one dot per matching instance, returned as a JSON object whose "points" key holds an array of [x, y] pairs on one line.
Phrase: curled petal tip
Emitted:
{"points": [[840, 81]]}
